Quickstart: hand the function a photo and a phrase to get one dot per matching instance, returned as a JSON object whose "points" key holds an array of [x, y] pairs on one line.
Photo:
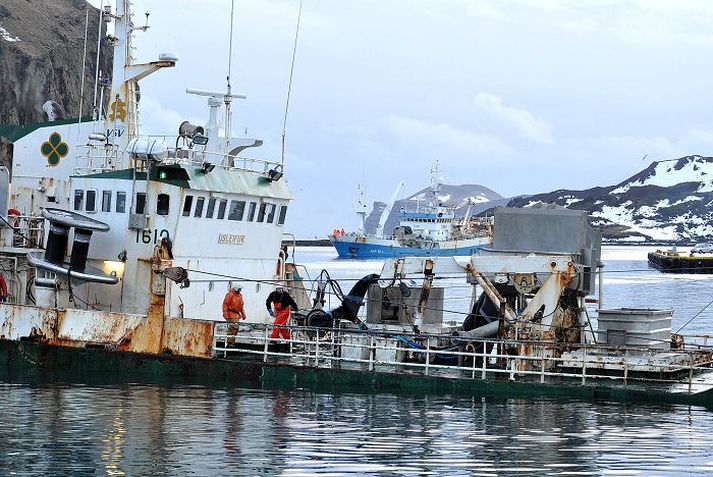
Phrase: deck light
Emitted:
{"points": [[274, 175]]}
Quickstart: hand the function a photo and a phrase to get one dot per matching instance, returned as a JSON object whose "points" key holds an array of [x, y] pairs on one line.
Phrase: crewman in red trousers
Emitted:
{"points": [[281, 302]]}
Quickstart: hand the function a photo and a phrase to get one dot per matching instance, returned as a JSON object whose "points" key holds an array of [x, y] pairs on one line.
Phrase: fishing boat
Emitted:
{"points": [[430, 230], [99, 211], [119, 256]]}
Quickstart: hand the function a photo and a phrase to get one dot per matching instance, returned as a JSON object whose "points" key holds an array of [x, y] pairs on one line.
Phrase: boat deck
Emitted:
{"points": [[548, 364]]}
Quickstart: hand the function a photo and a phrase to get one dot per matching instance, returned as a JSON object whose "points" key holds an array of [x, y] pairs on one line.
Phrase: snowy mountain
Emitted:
{"points": [[668, 201], [479, 196]]}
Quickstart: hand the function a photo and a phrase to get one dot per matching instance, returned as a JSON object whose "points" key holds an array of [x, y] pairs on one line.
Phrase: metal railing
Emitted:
{"points": [[26, 231], [100, 158], [466, 358]]}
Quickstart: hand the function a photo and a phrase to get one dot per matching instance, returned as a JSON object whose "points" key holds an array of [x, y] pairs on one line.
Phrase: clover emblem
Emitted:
{"points": [[118, 110], [54, 149]]}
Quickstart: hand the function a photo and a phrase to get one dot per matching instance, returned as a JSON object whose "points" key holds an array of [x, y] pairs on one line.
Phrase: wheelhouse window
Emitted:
{"points": [[91, 205], [211, 208], [78, 199], [121, 202], [283, 215], [200, 201], [261, 212], [162, 204], [251, 211], [221, 209], [140, 203], [237, 209], [106, 201], [187, 206], [271, 213]]}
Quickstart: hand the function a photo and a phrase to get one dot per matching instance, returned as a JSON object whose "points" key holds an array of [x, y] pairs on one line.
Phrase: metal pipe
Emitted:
{"points": [[600, 269], [486, 331]]}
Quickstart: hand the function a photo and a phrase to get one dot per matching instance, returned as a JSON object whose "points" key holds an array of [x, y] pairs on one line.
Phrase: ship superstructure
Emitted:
{"points": [[195, 196]]}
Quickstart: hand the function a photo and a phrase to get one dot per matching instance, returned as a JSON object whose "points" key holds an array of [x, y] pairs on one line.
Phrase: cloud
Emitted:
{"points": [[695, 141], [523, 121], [443, 136], [642, 22], [158, 119]]}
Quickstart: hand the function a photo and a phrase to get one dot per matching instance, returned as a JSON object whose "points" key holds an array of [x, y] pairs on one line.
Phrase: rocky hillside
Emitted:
{"points": [[668, 201], [479, 196], [41, 46]]}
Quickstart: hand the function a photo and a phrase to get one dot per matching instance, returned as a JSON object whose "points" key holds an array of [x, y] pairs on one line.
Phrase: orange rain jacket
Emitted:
{"points": [[233, 306]]}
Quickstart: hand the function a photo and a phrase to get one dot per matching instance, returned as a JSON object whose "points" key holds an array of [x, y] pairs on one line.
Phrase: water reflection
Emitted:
{"points": [[152, 430], [71, 429]]}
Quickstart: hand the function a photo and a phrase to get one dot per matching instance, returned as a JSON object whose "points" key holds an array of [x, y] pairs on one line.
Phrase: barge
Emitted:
{"points": [[671, 261]]}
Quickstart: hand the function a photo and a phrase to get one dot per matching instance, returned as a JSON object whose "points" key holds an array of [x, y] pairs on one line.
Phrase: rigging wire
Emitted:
{"points": [[695, 316], [289, 85], [427, 308]]}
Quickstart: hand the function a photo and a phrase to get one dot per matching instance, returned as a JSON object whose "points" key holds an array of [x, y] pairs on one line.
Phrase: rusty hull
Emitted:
{"points": [[152, 334]]}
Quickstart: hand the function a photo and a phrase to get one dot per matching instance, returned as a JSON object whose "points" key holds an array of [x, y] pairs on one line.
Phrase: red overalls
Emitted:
{"points": [[282, 315]]}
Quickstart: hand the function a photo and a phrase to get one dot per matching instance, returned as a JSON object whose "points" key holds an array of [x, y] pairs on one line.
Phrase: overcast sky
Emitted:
{"points": [[521, 96]]}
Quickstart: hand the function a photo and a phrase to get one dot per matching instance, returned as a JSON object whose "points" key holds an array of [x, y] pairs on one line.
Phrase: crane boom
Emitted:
{"points": [[387, 211]]}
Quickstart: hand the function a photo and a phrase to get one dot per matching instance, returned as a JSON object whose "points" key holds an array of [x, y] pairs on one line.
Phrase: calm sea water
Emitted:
{"points": [[49, 427]]}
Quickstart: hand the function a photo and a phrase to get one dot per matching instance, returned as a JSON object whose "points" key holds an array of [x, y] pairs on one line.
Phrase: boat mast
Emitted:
{"points": [[435, 184], [362, 209], [122, 118]]}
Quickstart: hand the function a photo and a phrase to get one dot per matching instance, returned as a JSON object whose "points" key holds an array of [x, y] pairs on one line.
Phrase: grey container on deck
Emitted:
{"points": [[635, 327]]}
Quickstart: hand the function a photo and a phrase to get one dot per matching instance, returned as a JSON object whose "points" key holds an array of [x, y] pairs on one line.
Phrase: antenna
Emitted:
{"points": [[227, 99], [95, 114], [289, 86], [84, 67]]}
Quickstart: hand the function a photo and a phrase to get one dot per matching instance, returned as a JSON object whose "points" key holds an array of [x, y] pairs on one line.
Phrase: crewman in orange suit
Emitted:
{"points": [[281, 301], [234, 309]]}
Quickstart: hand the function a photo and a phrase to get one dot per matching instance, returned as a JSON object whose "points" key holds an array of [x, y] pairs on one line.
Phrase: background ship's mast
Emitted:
{"points": [[362, 209], [435, 184]]}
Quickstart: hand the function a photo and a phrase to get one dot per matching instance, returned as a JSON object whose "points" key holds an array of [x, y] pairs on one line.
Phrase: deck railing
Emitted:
{"points": [[95, 158], [24, 231], [467, 358]]}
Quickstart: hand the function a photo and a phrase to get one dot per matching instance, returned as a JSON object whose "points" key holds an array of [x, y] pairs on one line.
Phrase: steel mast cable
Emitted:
{"points": [[289, 86], [694, 316]]}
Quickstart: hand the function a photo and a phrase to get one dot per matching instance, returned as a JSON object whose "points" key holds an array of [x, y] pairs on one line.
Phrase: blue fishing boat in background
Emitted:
{"points": [[430, 230]]}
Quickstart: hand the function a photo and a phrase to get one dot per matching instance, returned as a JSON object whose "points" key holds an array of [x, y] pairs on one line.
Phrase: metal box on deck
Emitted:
{"points": [[635, 327], [550, 229], [399, 305]]}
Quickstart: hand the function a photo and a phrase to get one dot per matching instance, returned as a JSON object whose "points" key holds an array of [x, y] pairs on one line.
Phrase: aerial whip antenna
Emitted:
{"points": [[227, 99], [95, 110], [84, 68], [289, 85]]}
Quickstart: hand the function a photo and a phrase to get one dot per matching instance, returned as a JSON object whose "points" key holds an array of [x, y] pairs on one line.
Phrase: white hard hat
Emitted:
{"points": [[237, 287]]}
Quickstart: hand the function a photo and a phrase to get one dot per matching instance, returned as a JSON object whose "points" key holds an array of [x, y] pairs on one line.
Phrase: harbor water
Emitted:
{"points": [[63, 426]]}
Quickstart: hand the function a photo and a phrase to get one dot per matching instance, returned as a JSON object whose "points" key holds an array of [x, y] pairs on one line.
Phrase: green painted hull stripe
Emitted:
{"points": [[23, 361], [14, 132]]}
